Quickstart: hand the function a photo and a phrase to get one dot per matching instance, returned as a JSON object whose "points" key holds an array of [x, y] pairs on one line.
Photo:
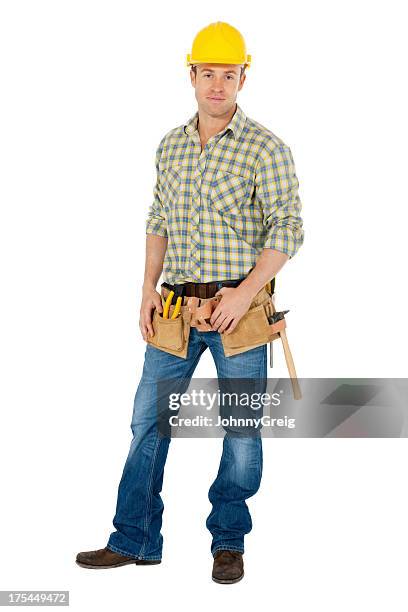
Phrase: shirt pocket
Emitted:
{"points": [[230, 192]]}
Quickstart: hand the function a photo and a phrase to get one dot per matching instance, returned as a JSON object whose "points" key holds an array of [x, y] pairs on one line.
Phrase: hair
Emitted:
{"points": [[194, 69]]}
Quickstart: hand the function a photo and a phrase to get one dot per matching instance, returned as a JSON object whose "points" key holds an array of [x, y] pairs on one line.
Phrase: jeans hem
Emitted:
{"points": [[226, 547], [128, 554]]}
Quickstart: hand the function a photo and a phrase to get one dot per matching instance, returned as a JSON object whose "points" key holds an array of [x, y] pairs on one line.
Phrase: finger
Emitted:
{"points": [[146, 328], [142, 331], [231, 327], [147, 325], [216, 314], [150, 330], [214, 321], [225, 324], [219, 321]]}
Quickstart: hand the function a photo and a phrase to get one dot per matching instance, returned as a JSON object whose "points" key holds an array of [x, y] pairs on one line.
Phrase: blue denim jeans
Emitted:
{"points": [[138, 517]]}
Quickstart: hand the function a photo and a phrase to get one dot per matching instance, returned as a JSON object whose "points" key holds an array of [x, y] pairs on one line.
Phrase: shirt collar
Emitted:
{"points": [[236, 124]]}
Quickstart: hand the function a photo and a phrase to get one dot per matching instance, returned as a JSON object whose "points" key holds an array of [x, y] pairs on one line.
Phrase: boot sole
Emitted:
{"points": [[230, 581], [135, 562]]}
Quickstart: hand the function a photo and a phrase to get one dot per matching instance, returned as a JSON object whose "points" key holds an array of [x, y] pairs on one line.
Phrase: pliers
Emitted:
{"points": [[179, 293]]}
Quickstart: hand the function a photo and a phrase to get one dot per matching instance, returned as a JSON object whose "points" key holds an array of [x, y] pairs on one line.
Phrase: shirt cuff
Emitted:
{"points": [[285, 240], [154, 226]]}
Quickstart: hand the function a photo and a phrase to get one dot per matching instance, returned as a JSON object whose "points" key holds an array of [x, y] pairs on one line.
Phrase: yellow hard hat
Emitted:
{"points": [[219, 43]]}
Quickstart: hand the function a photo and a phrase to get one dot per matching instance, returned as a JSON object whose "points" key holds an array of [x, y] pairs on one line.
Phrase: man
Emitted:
{"points": [[226, 211]]}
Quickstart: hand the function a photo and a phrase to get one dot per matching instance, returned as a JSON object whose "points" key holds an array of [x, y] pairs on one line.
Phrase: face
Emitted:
{"points": [[216, 87]]}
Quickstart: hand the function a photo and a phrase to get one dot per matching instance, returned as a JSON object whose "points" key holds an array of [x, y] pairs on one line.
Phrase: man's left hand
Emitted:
{"points": [[232, 307]]}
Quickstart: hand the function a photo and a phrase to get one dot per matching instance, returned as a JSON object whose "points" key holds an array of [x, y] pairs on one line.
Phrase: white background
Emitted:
{"points": [[88, 89]]}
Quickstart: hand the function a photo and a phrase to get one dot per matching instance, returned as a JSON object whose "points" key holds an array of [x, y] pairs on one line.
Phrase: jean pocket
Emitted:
{"points": [[168, 333]]}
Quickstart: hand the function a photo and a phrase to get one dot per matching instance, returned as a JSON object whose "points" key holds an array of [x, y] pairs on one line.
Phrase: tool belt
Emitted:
{"points": [[259, 325]]}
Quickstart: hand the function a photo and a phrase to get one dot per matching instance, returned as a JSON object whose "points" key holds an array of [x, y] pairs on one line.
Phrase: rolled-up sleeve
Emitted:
{"points": [[276, 191], [156, 222]]}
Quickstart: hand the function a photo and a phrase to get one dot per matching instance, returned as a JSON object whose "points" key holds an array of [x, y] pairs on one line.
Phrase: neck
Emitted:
{"points": [[209, 126]]}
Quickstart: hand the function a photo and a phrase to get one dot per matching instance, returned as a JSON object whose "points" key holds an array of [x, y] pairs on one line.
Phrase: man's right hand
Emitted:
{"points": [[151, 299]]}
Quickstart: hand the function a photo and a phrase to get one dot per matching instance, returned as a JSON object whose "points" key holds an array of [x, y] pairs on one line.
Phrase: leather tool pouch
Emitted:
{"points": [[253, 328], [171, 335]]}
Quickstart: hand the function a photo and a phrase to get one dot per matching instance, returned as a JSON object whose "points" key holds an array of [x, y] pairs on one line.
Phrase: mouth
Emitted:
{"points": [[215, 99]]}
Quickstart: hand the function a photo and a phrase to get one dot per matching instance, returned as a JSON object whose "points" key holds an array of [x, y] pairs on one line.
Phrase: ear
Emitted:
{"points": [[242, 81]]}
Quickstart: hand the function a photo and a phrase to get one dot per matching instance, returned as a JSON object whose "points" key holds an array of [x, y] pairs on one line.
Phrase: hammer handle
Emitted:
{"points": [[297, 394]]}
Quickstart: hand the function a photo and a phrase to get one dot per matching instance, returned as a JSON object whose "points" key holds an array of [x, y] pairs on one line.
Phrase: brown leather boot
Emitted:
{"points": [[104, 558], [228, 566]]}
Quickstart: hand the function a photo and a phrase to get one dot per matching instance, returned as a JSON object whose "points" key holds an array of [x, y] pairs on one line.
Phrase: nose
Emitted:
{"points": [[217, 85]]}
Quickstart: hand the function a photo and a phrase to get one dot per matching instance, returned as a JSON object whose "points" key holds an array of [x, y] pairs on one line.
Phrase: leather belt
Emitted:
{"points": [[201, 290]]}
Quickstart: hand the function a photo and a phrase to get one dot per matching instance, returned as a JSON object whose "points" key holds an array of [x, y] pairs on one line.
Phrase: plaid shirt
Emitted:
{"points": [[221, 206]]}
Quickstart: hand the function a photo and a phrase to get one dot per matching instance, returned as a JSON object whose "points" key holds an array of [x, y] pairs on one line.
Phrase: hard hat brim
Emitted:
{"points": [[224, 60]]}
